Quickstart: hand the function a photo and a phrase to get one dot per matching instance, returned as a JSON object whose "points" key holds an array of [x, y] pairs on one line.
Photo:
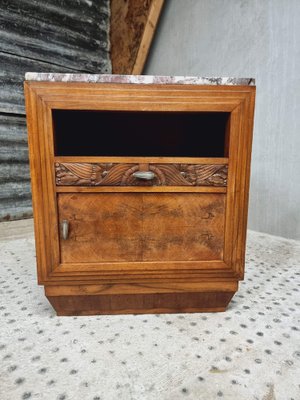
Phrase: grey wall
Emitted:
{"points": [[41, 36], [247, 38]]}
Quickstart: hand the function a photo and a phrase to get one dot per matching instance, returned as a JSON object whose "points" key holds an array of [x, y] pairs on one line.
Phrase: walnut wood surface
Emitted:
{"points": [[113, 174], [141, 298], [142, 227], [219, 257], [142, 288], [141, 303], [140, 189]]}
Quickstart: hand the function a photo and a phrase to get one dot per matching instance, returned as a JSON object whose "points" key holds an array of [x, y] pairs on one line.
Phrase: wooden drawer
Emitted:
{"points": [[138, 227], [141, 174]]}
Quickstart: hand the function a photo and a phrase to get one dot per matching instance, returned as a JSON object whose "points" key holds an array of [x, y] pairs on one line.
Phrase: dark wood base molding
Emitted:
{"points": [[208, 300]]}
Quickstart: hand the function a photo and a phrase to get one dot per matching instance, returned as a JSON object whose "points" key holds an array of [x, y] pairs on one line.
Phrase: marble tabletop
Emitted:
{"points": [[138, 79]]}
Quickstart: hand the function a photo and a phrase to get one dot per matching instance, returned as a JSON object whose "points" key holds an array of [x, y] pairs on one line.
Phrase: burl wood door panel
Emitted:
{"points": [[106, 227]]}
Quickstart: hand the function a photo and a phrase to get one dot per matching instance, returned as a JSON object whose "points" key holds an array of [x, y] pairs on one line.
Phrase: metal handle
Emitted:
{"points": [[65, 229], [146, 175]]}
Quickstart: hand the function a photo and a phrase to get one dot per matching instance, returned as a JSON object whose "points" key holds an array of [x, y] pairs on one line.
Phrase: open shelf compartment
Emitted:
{"points": [[83, 133]]}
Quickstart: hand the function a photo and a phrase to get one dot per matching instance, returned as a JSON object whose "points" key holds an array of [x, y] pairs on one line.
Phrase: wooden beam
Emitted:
{"points": [[133, 24], [148, 35]]}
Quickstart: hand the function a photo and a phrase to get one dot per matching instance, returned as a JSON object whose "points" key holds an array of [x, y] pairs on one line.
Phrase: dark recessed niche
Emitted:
{"points": [[153, 134]]}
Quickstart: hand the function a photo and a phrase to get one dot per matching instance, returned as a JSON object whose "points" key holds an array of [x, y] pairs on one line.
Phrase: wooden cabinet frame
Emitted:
{"points": [[188, 276]]}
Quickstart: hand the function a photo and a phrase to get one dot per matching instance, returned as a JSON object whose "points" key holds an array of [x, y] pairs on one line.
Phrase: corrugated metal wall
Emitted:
{"points": [[41, 36]]}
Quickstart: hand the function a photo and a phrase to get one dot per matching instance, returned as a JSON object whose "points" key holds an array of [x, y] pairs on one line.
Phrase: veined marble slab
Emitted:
{"points": [[134, 79]]}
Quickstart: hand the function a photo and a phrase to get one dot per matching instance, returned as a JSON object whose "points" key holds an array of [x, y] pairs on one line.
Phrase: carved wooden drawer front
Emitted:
{"points": [[135, 227], [127, 174]]}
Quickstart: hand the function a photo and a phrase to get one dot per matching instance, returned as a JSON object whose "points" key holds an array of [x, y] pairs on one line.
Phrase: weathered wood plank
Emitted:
{"points": [[132, 26], [147, 37]]}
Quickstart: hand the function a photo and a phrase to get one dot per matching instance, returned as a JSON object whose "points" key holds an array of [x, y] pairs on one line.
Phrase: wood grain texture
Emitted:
{"points": [[203, 98], [138, 160], [133, 24], [142, 227], [137, 269], [140, 189], [134, 237], [141, 298], [141, 303], [148, 34], [142, 288], [110, 174], [119, 272]]}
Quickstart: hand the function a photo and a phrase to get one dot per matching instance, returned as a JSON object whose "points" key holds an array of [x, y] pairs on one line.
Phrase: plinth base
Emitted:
{"points": [[104, 299]]}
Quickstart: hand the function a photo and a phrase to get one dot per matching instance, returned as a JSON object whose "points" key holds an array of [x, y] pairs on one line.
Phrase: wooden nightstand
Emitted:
{"points": [[140, 190]]}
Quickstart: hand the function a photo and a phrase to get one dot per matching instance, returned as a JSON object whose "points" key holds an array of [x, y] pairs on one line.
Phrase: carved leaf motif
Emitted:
{"points": [[79, 173], [109, 174], [115, 174], [205, 175], [83, 170], [172, 175]]}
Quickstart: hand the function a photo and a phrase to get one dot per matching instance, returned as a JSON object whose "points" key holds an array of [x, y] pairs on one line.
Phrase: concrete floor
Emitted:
{"points": [[250, 352], [16, 230]]}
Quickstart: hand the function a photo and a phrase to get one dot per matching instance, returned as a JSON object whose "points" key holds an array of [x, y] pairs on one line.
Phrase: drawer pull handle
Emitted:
{"points": [[146, 175], [65, 229]]}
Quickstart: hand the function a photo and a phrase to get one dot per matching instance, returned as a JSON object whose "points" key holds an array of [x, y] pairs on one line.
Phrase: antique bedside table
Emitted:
{"points": [[140, 190]]}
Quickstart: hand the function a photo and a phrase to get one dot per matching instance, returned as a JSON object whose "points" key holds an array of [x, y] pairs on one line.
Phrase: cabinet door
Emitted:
{"points": [[130, 227]]}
